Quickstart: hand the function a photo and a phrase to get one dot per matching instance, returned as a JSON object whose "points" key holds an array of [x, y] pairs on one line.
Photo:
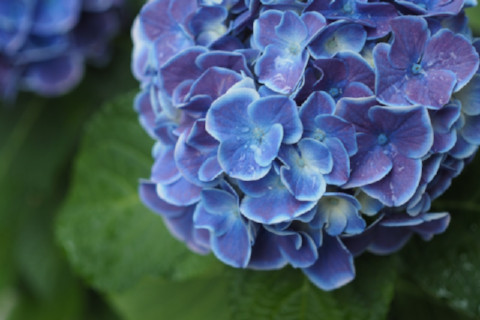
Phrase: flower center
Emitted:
{"points": [[347, 7], [382, 139], [294, 49], [335, 92], [258, 133], [416, 68], [319, 135]]}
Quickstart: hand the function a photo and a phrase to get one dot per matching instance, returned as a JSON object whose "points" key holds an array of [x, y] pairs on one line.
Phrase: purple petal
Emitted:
{"points": [[164, 169], [389, 81], [281, 70], [410, 36], [180, 68], [436, 88], [411, 130], [264, 28], [341, 166], [369, 164], [355, 111], [336, 127], [448, 51], [399, 185]]}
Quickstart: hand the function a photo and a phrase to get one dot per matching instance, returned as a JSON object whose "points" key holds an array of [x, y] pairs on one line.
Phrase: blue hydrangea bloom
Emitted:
{"points": [[44, 44], [304, 133]]}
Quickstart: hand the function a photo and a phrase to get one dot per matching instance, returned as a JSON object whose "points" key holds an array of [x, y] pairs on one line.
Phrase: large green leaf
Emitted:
{"points": [[448, 267], [109, 235], [288, 294], [193, 299]]}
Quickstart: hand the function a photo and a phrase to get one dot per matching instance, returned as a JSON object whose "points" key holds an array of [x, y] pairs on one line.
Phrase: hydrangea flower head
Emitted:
{"points": [[304, 132], [44, 44]]}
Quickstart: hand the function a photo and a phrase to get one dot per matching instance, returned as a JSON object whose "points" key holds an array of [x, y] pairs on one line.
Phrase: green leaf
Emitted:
{"points": [[288, 294], [194, 299], [109, 236], [474, 19], [448, 267]]}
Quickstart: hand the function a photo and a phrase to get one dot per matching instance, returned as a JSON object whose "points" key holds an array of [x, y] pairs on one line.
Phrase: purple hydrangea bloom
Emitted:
{"points": [[304, 132], [44, 44]]}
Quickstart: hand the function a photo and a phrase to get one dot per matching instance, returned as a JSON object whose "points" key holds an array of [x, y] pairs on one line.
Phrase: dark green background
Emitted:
{"points": [[76, 243]]}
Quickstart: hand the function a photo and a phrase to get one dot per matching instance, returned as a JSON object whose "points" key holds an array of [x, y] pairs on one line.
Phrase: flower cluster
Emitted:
{"points": [[305, 132], [44, 43]]}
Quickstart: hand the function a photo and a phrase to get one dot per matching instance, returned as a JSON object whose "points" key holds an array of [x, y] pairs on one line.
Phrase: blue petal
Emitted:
{"points": [[180, 192], [54, 76], [275, 205], [210, 169], [334, 267], [234, 246], [55, 17], [216, 224], [298, 256], [148, 194], [237, 159], [471, 130], [278, 109], [338, 37], [190, 160], [227, 117], [317, 103], [369, 206], [303, 173], [183, 229], [219, 201], [266, 254], [267, 150]]}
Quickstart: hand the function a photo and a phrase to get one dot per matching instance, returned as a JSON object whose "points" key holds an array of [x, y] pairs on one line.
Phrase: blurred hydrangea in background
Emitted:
{"points": [[44, 44], [300, 132]]}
